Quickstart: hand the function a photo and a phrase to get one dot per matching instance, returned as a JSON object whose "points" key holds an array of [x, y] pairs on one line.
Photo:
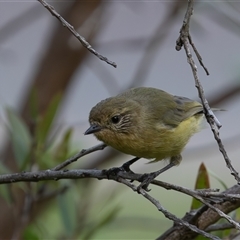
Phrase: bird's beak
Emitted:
{"points": [[93, 128]]}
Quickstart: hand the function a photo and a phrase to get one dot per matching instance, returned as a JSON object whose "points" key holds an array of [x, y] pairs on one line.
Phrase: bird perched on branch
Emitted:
{"points": [[147, 123]]}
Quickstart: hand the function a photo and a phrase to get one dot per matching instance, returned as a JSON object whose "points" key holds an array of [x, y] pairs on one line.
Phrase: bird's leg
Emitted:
{"points": [[124, 168], [148, 177], [126, 165]]}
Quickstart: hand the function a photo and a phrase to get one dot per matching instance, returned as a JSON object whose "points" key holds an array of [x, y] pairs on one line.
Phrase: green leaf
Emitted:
{"points": [[202, 182], [21, 138], [44, 125]]}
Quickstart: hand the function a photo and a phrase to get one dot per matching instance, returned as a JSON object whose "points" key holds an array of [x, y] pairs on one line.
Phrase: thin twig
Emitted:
{"points": [[197, 54], [99, 174], [75, 33], [222, 214], [197, 196], [185, 39], [220, 226], [185, 30], [82, 153], [56, 173], [207, 193], [166, 213]]}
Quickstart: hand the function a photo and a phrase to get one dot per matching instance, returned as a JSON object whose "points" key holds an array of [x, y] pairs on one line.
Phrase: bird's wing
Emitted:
{"points": [[170, 110], [183, 109]]}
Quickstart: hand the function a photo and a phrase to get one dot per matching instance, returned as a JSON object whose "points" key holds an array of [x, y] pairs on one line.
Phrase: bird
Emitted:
{"points": [[147, 122]]}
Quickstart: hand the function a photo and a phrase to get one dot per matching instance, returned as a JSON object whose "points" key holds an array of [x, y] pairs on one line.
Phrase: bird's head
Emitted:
{"points": [[113, 118]]}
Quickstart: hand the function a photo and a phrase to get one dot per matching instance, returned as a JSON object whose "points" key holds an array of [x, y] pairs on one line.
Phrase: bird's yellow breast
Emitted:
{"points": [[158, 142]]}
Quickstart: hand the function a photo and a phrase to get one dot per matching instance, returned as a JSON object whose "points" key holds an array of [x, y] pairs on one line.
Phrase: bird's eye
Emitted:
{"points": [[116, 119]]}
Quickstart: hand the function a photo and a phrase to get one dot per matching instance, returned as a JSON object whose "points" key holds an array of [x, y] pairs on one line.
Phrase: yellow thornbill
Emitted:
{"points": [[147, 123]]}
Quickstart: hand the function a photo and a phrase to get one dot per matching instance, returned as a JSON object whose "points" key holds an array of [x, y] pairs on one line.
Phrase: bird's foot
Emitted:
{"points": [[124, 168], [145, 180]]}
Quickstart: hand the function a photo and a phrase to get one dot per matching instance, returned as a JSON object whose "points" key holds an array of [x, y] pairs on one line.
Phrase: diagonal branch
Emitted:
{"points": [[185, 40], [103, 174], [166, 213], [99, 174], [75, 33], [203, 218], [82, 153]]}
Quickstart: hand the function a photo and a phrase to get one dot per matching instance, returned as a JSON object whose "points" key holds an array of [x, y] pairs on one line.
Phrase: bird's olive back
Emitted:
{"points": [[162, 106]]}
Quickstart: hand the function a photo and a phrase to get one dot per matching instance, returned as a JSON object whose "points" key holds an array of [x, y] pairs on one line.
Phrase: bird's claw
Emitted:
{"points": [[145, 180]]}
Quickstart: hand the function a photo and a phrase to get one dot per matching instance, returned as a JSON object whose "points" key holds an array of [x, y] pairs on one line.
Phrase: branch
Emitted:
{"points": [[75, 33], [55, 174], [203, 218], [220, 226], [166, 213], [204, 193], [99, 174], [82, 153], [185, 40], [185, 31], [122, 178]]}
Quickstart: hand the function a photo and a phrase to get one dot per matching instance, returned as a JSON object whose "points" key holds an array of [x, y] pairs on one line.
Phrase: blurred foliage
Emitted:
{"points": [[67, 200], [20, 138]]}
